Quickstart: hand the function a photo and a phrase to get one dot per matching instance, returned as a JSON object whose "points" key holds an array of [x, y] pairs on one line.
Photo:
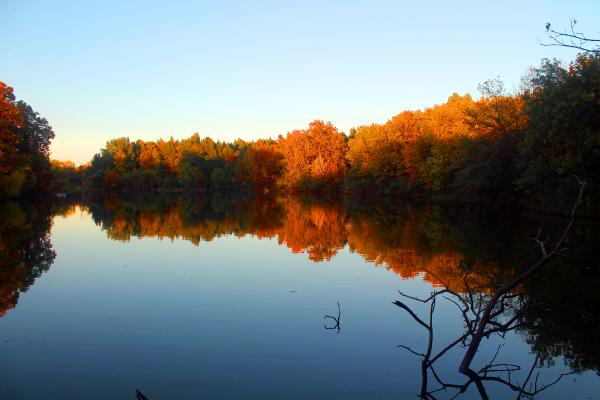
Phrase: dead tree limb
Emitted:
{"points": [[497, 298], [572, 39], [484, 315], [336, 320]]}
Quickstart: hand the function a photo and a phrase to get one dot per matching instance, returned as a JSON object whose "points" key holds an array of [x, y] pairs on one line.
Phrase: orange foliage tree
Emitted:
{"points": [[316, 154], [12, 165], [260, 165]]}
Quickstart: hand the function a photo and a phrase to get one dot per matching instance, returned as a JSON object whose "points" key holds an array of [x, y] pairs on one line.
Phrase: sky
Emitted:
{"points": [[248, 69]]}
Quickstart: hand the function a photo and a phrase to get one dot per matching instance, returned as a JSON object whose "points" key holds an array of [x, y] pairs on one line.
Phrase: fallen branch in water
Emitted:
{"points": [[484, 315], [336, 320]]}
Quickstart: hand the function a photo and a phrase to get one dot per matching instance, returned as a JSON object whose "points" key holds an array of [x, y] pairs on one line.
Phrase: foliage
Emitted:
{"points": [[25, 247], [24, 147], [66, 176], [501, 148], [563, 136], [13, 168], [314, 155]]}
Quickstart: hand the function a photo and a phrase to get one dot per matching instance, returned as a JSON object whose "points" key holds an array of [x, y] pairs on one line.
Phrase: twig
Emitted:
{"points": [[336, 320]]}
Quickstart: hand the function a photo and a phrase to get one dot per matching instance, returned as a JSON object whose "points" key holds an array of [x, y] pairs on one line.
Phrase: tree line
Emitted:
{"points": [[501, 148]]}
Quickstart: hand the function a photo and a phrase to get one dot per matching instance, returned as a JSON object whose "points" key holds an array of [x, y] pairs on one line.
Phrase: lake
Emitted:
{"points": [[223, 297]]}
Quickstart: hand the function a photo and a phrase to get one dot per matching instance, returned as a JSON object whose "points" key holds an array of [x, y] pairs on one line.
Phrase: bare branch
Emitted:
{"points": [[410, 312], [571, 39], [484, 315], [411, 350], [336, 320]]}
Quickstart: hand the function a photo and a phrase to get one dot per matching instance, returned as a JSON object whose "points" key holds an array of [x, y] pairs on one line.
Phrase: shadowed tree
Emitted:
{"points": [[35, 135]]}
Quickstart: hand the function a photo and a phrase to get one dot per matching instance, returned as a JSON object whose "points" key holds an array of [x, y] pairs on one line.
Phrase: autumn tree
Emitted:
{"points": [[374, 153], [442, 127], [24, 147], [13, 168], [314, 156], [260, 165], [485, 161]]}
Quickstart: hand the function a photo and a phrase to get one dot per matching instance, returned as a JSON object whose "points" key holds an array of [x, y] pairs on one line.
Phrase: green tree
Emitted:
{"points": [[35, 135], [563, 138]]}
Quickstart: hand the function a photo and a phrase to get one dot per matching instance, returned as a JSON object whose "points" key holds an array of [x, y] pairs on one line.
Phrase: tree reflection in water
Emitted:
{"points": [[556, 320], [483, 315], [507, 315], [25, 247], [431, 241]]}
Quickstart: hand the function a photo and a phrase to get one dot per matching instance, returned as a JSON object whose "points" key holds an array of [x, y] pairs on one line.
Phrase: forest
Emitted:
{"points": [[525, 148]]}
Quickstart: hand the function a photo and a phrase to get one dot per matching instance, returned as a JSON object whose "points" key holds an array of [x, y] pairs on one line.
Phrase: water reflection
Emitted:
{"points": [[566, 320], [440, 245], [25, 248], [406, 240], [524, 311]]}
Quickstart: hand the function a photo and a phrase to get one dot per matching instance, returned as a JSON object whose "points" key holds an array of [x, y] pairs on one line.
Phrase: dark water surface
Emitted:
{"points": [[222, 298]]}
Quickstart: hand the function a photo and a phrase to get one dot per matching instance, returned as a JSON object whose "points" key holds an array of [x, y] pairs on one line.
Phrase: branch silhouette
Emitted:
{"points": [[572, 39], [484, 315], [335, 320]]}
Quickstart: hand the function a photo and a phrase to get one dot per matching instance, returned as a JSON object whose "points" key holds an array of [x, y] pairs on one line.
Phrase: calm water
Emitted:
{"points": [[224, 299]]}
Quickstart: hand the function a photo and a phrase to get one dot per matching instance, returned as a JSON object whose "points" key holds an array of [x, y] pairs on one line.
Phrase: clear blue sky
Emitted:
{"points": [[249, 69]]}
